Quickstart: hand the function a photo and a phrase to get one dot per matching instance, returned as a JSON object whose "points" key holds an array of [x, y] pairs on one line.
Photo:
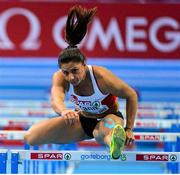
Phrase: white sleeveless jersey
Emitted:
{"points": [[96, 103]]}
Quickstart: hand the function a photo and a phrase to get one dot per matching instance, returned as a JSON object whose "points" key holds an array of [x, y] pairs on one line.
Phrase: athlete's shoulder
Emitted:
{"points": [[58, 75], [100, 71], [59, 80]]}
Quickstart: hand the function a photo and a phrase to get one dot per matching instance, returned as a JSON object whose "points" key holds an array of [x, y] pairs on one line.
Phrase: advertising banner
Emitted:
{"points": [[119, 30]]}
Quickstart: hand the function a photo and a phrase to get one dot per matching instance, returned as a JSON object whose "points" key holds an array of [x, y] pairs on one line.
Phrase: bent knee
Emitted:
{"points": [[98, 137], [29, 139]]}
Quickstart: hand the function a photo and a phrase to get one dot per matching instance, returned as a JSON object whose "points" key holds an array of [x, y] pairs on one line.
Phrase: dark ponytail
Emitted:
{"points": [[76, 28]]}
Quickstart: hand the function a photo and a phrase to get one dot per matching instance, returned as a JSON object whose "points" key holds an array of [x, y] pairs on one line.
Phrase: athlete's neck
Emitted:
{"points": [[84, 79]]}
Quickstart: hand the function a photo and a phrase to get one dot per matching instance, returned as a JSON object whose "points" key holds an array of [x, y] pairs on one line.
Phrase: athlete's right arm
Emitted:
{"points": [[59, 86]]}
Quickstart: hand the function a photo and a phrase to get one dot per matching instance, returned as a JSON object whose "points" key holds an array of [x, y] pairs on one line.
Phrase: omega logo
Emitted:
{"points": [[140, 32], [31, 42]]}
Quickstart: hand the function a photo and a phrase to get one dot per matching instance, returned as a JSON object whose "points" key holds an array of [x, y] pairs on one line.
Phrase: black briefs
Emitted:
{"points": [[88, 124]]}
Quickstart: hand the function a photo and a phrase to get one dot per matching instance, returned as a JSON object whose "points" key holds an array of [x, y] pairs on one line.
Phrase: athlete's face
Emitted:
{"points": [[74, 72]]}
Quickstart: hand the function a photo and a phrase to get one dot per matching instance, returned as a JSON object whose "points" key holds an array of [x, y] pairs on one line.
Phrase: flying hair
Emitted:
{"points": [[76, 28], [76, 25]]}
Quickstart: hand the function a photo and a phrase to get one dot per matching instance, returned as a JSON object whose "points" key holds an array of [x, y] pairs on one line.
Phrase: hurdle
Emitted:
{"points": [[139, 136], [43, 108], [26, 122], [46, 104], [48, 112], [25, 103], [18, 156], [156, 123], [171, 140], [33, 157]]}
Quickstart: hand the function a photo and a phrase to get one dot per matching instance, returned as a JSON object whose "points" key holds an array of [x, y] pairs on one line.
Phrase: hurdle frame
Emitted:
{"points": [[127, 156], [139, 136], [16, 157], [3, 161]]}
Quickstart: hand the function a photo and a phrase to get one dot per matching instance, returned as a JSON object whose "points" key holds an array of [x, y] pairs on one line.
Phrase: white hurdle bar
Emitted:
{"points": [[139, 123], [47, 104], [127, 156], [156, 123], [17, 157], [29, 111], [139, 136]]}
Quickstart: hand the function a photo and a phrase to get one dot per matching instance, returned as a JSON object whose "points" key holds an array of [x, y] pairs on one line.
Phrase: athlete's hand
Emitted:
{"points": [[129, 137], [71, 117]]}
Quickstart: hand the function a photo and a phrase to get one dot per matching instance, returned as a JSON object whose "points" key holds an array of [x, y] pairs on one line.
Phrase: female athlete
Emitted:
{"points": [[93, 90]]}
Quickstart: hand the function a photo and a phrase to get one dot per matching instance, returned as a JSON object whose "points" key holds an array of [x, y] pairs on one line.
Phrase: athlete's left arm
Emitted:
{"points": [[117, 87]]}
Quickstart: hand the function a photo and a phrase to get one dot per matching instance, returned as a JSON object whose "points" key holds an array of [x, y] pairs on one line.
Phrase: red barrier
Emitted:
{"points": [[120, 30]]}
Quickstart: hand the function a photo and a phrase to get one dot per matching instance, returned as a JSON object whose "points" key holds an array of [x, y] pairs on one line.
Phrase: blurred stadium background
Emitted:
{"points": [[138, 40]]}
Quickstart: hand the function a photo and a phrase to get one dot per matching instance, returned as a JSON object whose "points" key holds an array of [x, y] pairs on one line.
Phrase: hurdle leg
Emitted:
{"points": [[35, 163], [3, 162], [14, 163]]}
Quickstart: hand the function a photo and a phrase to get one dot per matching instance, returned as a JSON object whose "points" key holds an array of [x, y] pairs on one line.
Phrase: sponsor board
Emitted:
{"points": [[173, 157], [95, 157], [47, 156], [148, 137], [112, 34], [152, 157], [67, 156], [123, 157]]}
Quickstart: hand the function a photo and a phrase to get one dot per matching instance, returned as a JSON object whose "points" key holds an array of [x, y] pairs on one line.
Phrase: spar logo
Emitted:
{"points": [[146, 124], [47, 156], [78, 102], [67, 156], [173, 157], [96, 104], [148, 137], [85, 105], [152, 157]]}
